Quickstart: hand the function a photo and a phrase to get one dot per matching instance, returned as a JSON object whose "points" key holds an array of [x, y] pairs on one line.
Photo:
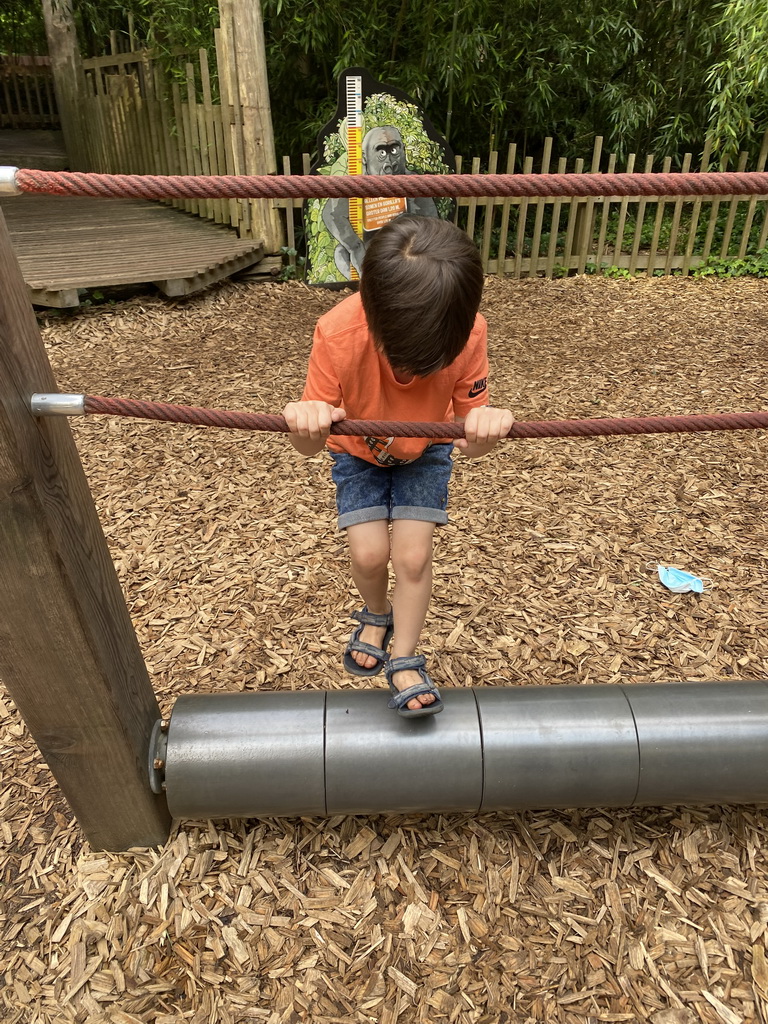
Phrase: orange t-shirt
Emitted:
{"points": [[346, 370]]}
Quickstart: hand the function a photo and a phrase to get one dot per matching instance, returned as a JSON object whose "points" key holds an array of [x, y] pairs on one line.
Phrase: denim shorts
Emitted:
{"points": [[416, 490]]}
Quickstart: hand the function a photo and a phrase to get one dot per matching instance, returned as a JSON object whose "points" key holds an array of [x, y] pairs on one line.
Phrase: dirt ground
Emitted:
{"points": [[236, 578]]}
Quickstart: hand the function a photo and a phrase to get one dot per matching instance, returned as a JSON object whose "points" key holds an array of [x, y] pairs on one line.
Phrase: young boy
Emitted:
{"points": [[410, 345]]}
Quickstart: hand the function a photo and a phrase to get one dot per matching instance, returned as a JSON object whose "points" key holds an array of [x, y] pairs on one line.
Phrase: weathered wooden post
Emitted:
{"points": [[68, 653], [67, 75], [244, 62]]}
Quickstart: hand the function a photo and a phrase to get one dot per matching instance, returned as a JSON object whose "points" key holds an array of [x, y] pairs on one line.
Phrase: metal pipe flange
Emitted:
{"points": [[8, 186]]}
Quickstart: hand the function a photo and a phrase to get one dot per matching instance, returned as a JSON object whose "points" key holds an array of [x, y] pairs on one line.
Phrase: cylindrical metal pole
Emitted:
{"points": [[8, 184], [701, 743], [557, 746], [234, 755], [492, 749], [376, 761]]}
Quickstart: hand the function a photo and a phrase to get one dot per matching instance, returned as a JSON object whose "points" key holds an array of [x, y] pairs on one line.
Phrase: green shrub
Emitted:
{"points": [[755, 265]]}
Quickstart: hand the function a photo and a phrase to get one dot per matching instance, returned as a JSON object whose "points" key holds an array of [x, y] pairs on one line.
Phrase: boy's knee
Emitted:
{"points": [[370, 559], [412, 561]]}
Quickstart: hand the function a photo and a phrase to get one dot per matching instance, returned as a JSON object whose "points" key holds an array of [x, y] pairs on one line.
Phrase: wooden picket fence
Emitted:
{"points": [[141, 121], [27, 99], [552, 237]]}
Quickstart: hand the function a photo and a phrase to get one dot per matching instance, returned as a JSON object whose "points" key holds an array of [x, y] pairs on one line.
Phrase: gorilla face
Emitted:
{"points": [[383, 152]]}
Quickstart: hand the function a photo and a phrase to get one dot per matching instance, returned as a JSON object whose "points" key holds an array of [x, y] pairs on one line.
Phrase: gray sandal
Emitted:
{"points": [[366, 618], [399, 699]]}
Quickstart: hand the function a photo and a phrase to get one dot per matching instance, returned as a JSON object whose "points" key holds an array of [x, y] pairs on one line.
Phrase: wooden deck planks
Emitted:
{"points": [[66, 243], [40, 148]]}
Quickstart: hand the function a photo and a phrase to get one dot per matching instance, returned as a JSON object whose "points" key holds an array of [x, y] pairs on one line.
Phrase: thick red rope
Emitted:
{"points": [[149, 186], [385, 428]]}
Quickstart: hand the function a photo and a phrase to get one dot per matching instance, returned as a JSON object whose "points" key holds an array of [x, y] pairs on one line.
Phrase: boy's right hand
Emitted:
{"points": [[312, 420]]}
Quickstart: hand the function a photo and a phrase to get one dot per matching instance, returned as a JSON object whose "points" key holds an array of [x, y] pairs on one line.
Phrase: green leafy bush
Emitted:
{"points": [[617, 272], [294, 266], [755, 265]]}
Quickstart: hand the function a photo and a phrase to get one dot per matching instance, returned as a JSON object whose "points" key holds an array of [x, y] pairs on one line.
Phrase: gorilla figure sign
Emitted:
{"points": [[376, 130]]}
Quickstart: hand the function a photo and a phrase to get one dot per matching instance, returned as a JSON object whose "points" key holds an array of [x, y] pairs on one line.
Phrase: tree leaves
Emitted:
{"points": [[649, 76]]}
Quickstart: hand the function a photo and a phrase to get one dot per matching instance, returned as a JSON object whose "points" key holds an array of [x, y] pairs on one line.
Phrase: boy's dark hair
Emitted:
{"points": [[421, 286]]}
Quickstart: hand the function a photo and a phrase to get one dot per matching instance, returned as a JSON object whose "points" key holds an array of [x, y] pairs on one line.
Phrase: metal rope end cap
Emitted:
{"points": [[8, 186], [57, 405]]}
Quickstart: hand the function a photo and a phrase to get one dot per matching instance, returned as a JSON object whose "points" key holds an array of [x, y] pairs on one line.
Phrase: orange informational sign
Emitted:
{"points": [[378, 212]]}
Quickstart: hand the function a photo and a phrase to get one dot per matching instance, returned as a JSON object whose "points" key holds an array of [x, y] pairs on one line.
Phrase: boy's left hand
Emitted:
{"points": [[485, 426]]}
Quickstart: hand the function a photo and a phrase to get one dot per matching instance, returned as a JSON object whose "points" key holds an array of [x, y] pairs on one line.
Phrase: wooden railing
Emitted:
{"points": [[141, 120], [551, 237], [26, 93]]}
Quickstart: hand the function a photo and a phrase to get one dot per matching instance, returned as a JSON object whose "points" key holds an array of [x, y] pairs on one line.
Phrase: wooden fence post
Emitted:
{"points": [[244, 65], [68, 653], [67, 75]]}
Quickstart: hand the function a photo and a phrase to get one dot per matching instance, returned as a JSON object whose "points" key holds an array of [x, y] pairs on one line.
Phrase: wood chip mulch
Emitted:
{"points": [[236, 578]]}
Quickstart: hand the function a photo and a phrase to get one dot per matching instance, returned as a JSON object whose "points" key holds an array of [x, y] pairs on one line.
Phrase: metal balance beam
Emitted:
{"points": [[492, 749]]}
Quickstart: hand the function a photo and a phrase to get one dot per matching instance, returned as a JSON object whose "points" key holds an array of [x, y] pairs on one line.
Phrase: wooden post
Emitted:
{"points": [[747, 230], [522, 218], [244, 64], [68, 654], [67, 75], [533, 270]]}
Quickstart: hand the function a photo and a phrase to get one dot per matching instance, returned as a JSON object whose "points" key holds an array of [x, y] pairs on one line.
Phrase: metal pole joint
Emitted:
{"points": [[57, 404], [8, 186]]}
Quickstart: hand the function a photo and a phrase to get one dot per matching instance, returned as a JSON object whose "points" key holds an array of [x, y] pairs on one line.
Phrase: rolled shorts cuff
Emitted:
{"points": [[363, 515], [424, 515], [376, 512]]}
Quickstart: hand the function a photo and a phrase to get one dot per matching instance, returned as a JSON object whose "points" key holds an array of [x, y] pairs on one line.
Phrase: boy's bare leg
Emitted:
{"points": [[412, 564], [369, 555]]}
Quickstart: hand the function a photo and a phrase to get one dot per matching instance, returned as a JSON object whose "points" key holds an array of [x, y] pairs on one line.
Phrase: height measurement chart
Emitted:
{"points": [[355, 152]]}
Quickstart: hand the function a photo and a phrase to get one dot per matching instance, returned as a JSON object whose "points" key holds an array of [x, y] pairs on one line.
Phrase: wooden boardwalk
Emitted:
{"points": [[66, 243], [39, 148]]}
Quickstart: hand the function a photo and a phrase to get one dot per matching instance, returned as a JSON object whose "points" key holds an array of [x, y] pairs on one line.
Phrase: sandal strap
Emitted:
{"points": [[400, 698], [363, 648], [417, 661], [403, 696], [373, 618]]}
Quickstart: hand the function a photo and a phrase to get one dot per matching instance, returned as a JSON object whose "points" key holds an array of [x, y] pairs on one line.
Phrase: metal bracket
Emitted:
{"points": [[158, 749]]}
